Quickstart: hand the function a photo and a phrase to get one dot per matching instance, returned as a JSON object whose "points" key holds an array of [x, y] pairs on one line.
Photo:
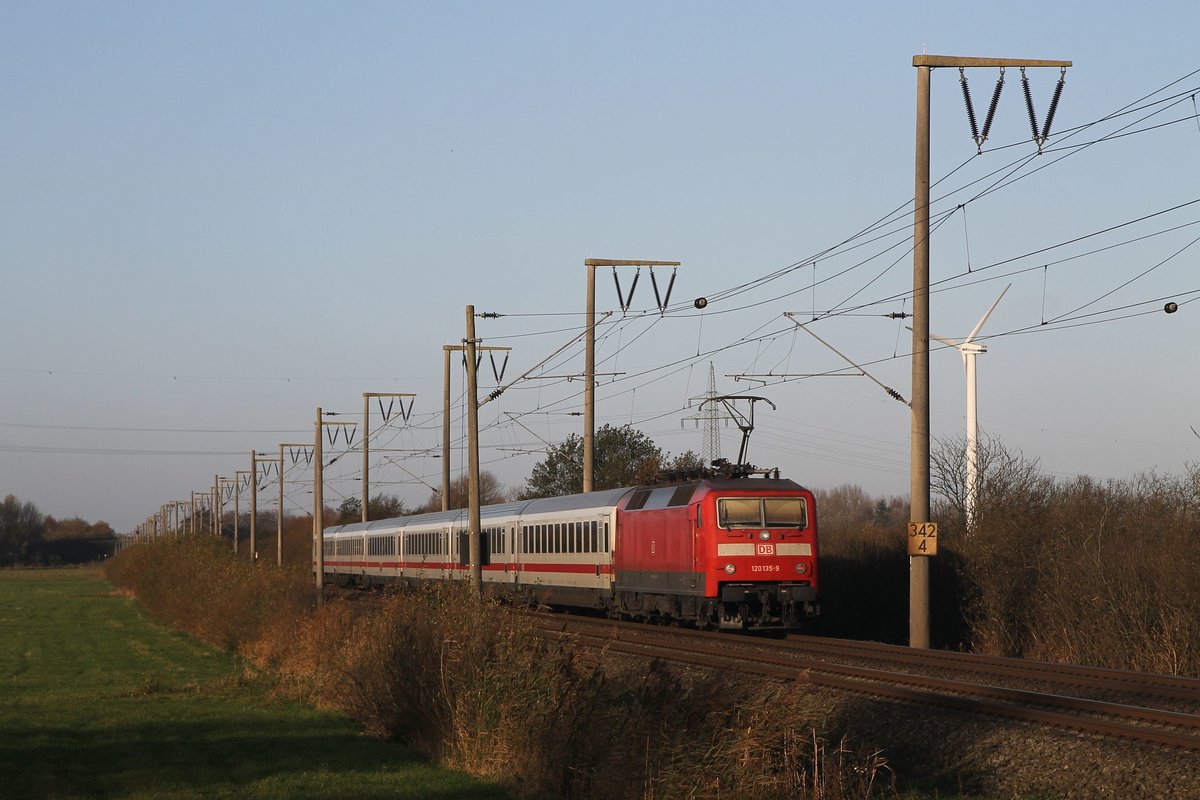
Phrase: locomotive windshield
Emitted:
{"points": [[762, 512]]}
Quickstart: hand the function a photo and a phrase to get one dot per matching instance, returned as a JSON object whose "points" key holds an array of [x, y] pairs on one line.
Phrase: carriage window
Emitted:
{"points": [[739, 512], [785, 512], [595, 543]]}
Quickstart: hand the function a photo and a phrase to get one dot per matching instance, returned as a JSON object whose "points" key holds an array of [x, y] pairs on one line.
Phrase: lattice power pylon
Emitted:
{"points": [[711, 414]]}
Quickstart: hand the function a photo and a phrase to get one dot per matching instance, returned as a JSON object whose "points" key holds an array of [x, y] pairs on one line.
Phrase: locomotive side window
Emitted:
{"points": [[785, 512], [682, 495], [638, 500], [739, 512]]}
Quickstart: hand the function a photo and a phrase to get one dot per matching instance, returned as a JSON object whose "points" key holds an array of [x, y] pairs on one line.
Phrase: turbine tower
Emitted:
{"points": [[969, 348]]}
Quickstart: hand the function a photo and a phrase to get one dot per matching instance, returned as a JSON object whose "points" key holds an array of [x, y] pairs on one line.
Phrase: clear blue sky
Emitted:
{"points": [[220, 216]]}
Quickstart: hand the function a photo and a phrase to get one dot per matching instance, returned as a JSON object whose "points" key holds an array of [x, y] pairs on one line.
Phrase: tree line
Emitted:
{"points": [[29, 537]]}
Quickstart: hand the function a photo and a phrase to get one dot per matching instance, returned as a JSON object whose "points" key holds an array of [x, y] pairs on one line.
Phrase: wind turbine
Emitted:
{"points": [[969, 349]]}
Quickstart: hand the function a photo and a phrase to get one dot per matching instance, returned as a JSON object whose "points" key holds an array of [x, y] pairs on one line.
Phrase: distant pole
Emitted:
{"points": [[253, 507], [192, 516], [228, 482], [216, 505], [282, 445], [319, 507], [237, 514], [366, 446], [366, 464], [446, 427], [472, 401], [279, 515], [589, 376], [918, 587], [446, 350], [589, 381]]}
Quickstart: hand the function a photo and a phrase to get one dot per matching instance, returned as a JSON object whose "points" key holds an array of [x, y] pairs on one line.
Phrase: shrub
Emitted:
{"points": [[476, 686]]}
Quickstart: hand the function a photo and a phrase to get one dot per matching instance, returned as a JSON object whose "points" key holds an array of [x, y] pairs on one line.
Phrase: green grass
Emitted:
{"points": [[97, 700]]}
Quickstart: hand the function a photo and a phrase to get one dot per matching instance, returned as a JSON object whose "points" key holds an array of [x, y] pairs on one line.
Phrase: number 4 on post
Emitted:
{"points": [[922, 538]]}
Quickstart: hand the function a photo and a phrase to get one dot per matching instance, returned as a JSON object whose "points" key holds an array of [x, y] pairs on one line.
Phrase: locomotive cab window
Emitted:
{"points": [[764, 512], [739, 512], [785, 512]]}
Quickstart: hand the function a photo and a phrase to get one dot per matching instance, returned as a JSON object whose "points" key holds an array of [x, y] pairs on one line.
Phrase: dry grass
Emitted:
{"points": [[473, 685]]}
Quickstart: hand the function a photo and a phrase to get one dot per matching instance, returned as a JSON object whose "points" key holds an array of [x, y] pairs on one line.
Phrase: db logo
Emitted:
{"points": [[767, 549]]}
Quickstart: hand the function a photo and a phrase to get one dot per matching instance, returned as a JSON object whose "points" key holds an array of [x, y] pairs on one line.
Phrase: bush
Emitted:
{"points": [[1084, 572], [476, 686], [197, 585]]}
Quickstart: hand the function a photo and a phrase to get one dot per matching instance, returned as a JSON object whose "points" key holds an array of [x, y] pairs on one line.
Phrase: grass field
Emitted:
{"points": [[96, 700]]}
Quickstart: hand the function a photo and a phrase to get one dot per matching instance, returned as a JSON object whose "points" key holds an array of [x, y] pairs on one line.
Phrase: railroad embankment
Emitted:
{"points": [[474, 687]]}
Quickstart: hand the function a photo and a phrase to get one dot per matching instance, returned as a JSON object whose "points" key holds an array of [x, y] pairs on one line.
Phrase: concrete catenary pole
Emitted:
{"points": [[318, 508], [918, 585], [253, 507], [279, 527], [279, 515], [589, 372], [446, 426], [918, 591], [447, 349], [237, 513], [472, 400], [366, 444], [589, 380]]}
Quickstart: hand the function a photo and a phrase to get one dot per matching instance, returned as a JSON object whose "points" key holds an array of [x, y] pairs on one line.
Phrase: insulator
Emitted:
{"points": [[1053, 107], [987, 123], [1029, 104], [970, 108]]}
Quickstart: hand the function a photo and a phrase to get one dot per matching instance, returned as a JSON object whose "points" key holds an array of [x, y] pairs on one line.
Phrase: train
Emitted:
{"points": [[714, 552]]}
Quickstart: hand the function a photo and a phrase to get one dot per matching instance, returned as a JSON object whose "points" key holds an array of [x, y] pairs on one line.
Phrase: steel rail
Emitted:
{"points": [[758, 658], [1173, 687]]}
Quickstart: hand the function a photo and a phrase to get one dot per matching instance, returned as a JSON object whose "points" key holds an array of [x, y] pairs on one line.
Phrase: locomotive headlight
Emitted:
{"points": [[801, 568], [764, 535], [730, 569]]}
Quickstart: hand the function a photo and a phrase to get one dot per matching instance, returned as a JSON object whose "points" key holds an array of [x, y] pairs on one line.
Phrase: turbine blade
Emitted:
{"points": [[944, 340], [985, 316]]}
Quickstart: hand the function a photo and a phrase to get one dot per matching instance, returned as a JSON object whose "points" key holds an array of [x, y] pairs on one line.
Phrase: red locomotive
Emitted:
{"points": [[715, 552]]}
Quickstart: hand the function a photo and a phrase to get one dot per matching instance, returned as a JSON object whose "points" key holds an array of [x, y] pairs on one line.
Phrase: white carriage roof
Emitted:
{"points": [[603, 499]]}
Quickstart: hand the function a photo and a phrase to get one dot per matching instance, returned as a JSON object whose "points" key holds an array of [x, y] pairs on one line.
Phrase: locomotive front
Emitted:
{"points": [[758, 552]]}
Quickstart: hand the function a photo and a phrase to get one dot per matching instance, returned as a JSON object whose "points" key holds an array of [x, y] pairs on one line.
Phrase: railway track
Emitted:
{"points": [[1067, 697]]}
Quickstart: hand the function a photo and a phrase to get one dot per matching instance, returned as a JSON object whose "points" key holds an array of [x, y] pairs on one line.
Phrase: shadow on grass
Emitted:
{"points": [[241, 753]]}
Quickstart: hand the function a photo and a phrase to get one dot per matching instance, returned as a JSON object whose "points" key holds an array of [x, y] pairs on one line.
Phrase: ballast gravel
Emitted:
{"points": [[942, 752]]}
